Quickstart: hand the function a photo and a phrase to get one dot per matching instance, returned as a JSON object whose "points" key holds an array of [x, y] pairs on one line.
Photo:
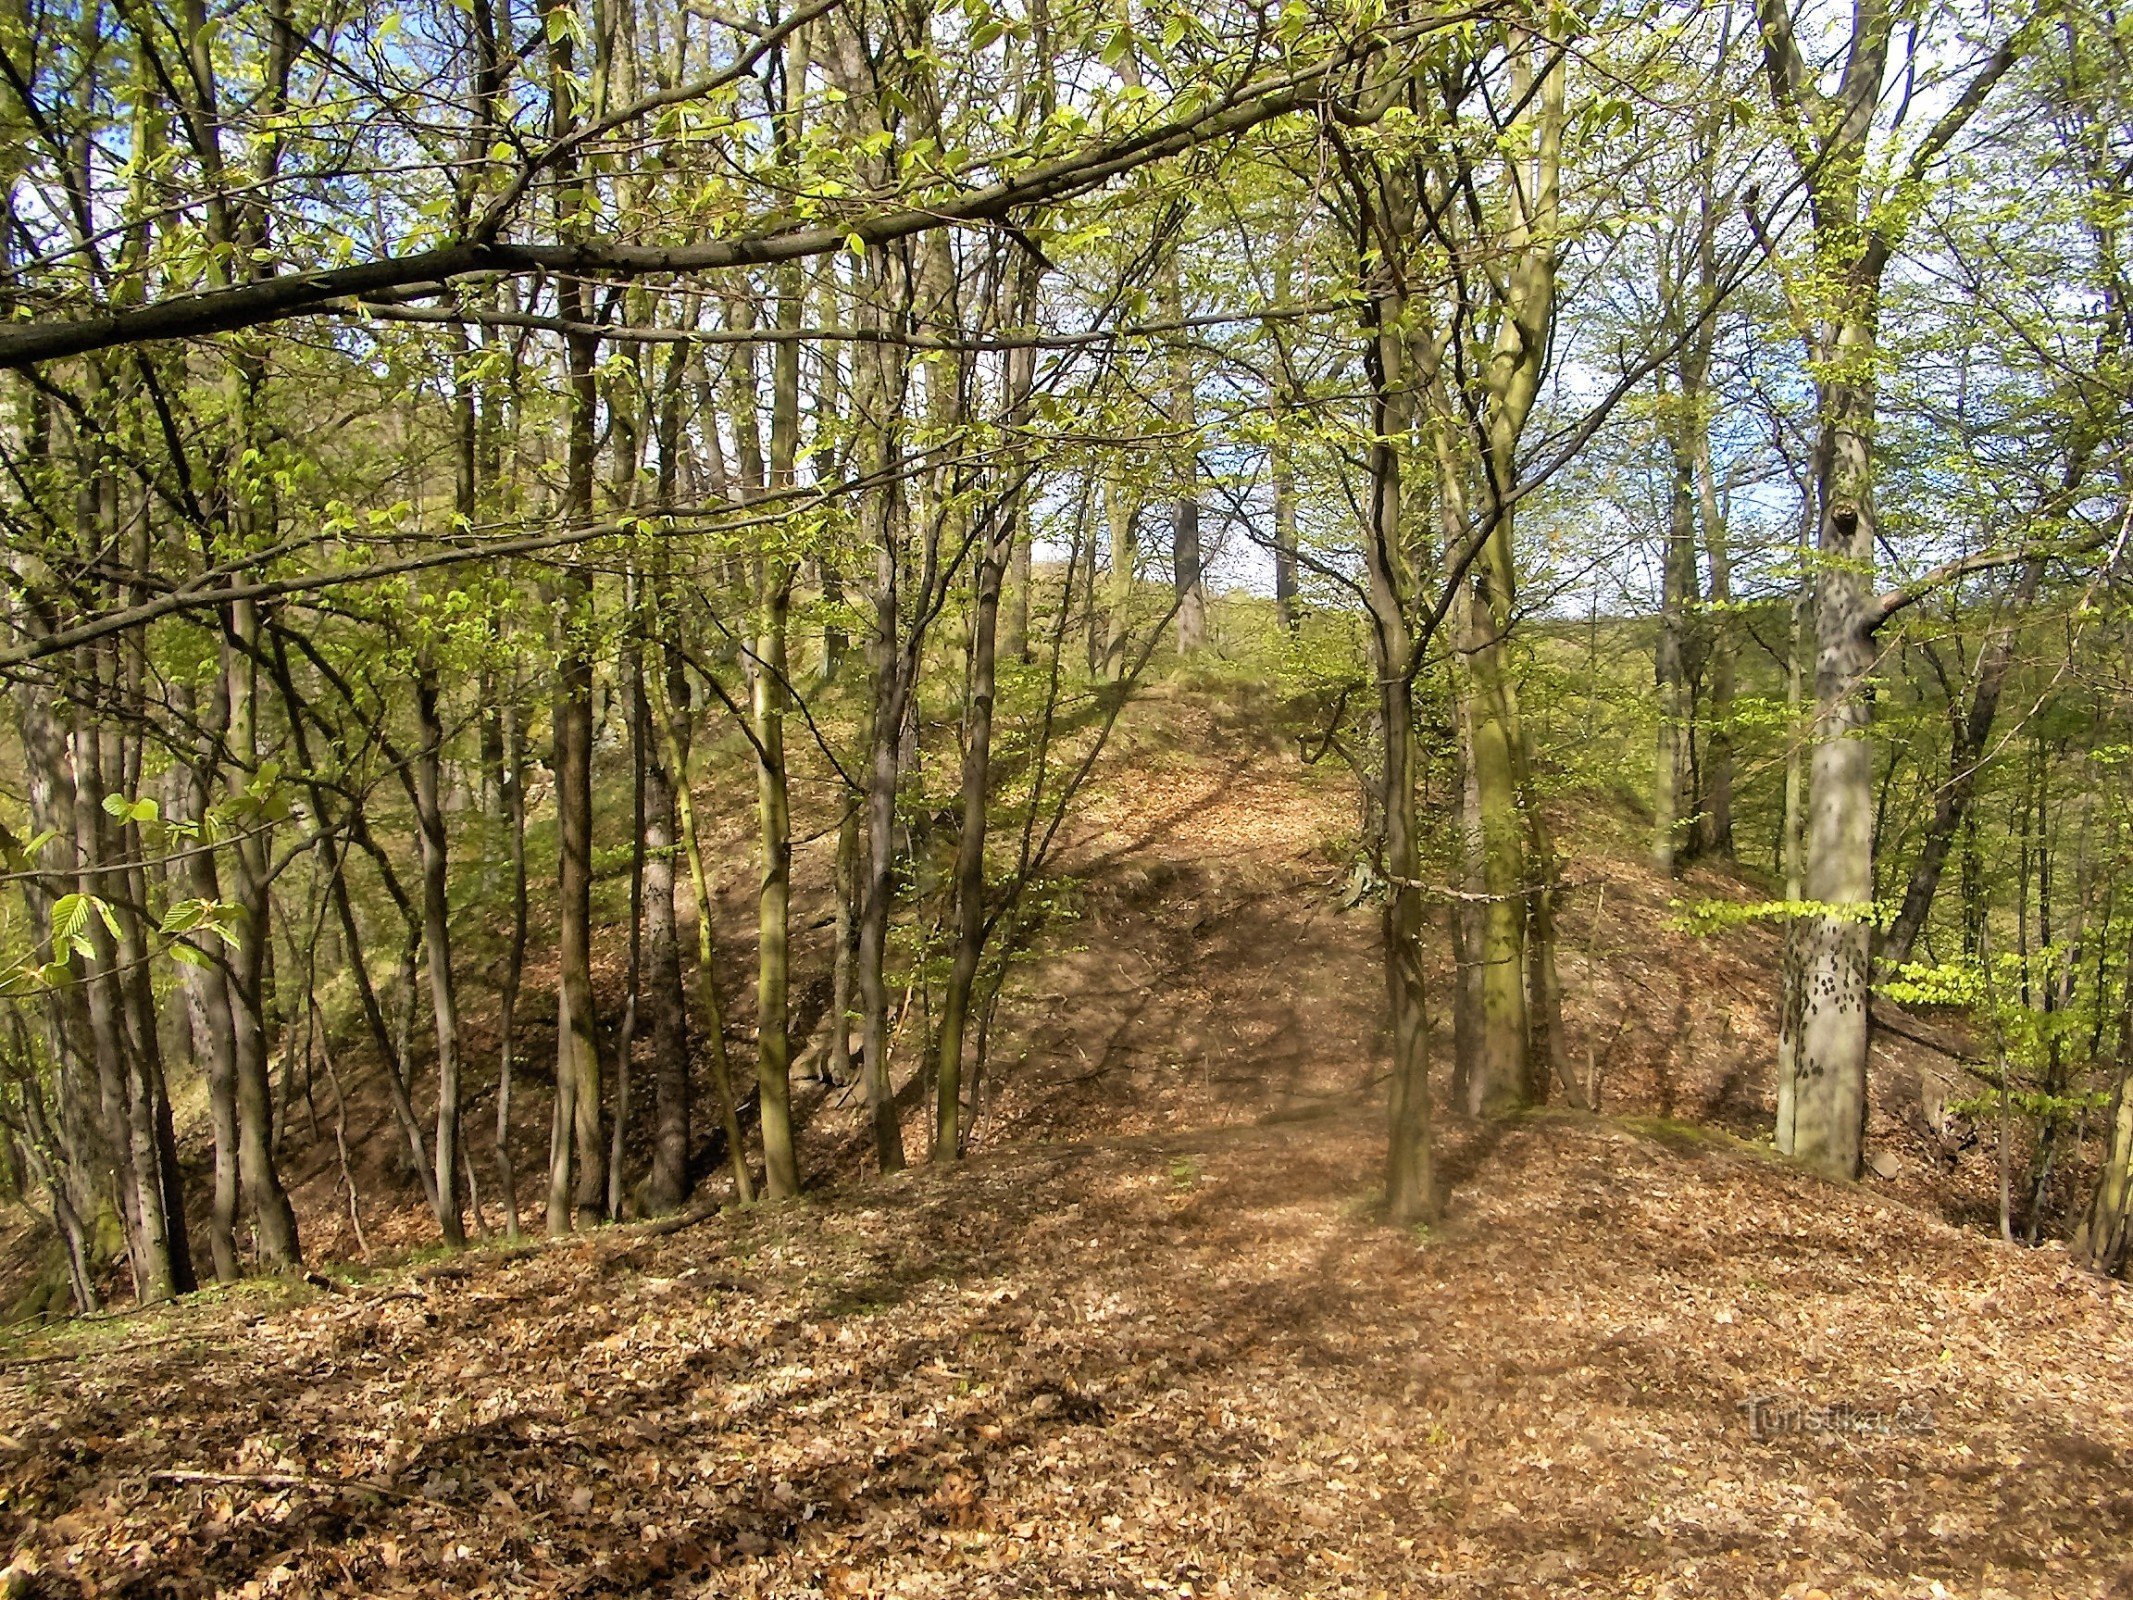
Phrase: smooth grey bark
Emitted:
{"points": [[1677, 594], [1857, 222]]}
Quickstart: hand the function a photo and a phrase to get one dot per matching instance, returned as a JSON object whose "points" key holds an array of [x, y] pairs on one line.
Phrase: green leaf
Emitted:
{"points": [[70, 918], [141, 810]]}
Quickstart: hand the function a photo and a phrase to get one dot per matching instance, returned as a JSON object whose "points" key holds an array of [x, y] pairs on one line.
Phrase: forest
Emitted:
{"points": [[1455, 682]]}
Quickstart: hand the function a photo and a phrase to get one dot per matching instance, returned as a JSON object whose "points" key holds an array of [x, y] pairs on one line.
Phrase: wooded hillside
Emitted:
{"points": [[623, 612]]}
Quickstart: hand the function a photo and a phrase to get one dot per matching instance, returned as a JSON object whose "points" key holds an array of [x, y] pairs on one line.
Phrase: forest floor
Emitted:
{"points": [[1152, 1338]]}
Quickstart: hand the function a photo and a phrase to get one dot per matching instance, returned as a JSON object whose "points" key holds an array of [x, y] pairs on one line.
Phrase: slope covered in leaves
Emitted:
{"points": [[1152, 1340], [1184, 1364]]}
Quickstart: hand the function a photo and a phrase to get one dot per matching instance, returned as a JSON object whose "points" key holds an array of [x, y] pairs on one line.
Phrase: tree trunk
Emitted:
{"points": [[1410, 1173], [437, 942], [1124, 518], [1283, 470], [1829, 1069], [663, 1005], [512, 790], [2104, 1239], [1792, 837], [273, 1219], [837, 1060], [207, 995], [711, 1012], [1498, 1072], [576, 1179], [1004, 535], [767, 668], [1186, 566], [1677, 586]]}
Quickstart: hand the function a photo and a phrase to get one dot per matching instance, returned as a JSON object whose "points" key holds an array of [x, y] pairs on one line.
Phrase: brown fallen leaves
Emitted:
{"points": [[1076, 1371]]}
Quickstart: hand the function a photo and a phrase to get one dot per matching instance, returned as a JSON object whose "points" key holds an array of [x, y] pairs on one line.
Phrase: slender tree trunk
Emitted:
{"points": [[1714, 819], [273, 1219], [512, 791], [577, 1181], [1283, 469], [1678, 576], [883, 522], [437, 942], [837, 1060], [1285, 615], [781, 1167], [1124, 519], [1004, 535], [128, 1101], [767, 680], [147, 1255], [664, 1004], [632, 1003], [710, 1011], [1187, 567], [1410, 1174]]}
